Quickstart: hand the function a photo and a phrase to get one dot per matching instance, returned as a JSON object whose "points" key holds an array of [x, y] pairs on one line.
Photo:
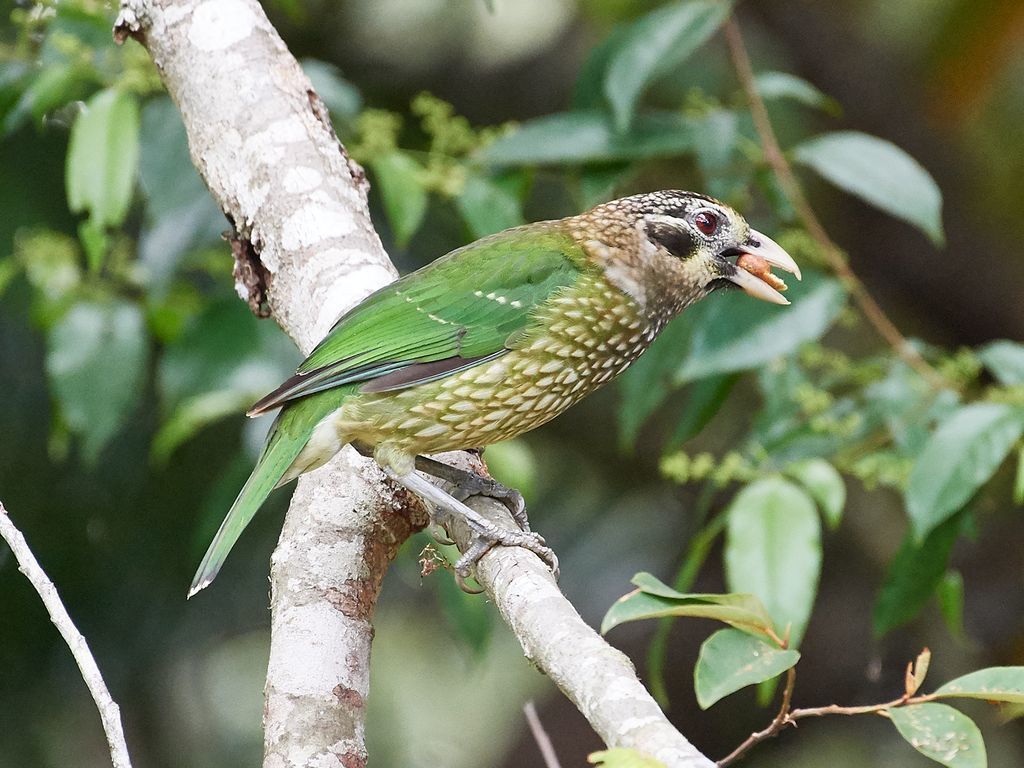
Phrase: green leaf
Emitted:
{"points": [[220, 364], [103, 157], [730, 660], [654, 599], [623, 758], [654, 45], [489, 205], [53, 86], [825, 485], [941, 733], [782, 85], [703, 401], [399, 179], [960, 457], [96, 363], [1005, 359], [194, 413], [950, 592], [879, 173], [735, 333], [992, 684], [773, 550], [341, 97], [913, 576], [588, 92], [588, 137]]}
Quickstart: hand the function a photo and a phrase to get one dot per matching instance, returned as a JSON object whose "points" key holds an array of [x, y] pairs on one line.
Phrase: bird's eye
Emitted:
{"points": [[706, 221]]}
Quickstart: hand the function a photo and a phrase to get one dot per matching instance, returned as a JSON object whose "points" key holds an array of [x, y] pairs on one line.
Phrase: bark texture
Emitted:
{"points": [[305, 250]]}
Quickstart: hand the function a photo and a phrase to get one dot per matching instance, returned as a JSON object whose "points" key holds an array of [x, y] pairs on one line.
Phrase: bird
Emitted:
{"points": [[493, 340]]}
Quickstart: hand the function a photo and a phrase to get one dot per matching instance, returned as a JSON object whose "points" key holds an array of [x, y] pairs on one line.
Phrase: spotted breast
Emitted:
{"points": [[580, 339]]}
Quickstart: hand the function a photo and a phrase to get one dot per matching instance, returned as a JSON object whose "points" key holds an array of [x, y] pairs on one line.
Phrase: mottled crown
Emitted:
{"points": [[667, 202]]}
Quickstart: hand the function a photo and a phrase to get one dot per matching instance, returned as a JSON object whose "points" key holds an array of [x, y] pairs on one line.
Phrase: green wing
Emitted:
{"points": [[452, 314]]}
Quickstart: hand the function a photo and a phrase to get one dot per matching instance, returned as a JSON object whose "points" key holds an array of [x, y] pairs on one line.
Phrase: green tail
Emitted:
{"points": [[288, 436]]}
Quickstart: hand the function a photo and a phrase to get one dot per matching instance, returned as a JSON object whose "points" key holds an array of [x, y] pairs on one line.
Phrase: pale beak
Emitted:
{"points": [[756, 285]]}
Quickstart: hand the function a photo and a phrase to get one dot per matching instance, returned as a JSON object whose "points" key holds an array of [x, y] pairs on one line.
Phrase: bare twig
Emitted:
{"points": [[787, 717], [110, 714], [833, 254], [547, 749]]}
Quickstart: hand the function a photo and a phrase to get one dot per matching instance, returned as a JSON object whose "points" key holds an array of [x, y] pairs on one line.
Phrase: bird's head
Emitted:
{"points": [[689, 246]]}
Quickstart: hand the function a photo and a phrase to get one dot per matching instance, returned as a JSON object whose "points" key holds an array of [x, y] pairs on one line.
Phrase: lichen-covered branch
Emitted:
{"points": [[305, 250], [110, 713]]}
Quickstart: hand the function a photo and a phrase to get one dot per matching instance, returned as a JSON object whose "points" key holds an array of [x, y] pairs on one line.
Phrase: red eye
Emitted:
{"points": [[706, 222]]}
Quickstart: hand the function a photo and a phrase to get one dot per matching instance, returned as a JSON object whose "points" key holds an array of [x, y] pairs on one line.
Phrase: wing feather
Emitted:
{"points": [[452, 314]]}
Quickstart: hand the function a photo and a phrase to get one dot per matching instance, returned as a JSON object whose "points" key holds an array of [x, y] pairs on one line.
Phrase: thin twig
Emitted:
{"points": [[110, 714], [787, 717], [540, 735], [833, 254]]}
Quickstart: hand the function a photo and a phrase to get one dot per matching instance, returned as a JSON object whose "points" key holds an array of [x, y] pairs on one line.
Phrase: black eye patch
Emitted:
{"points": [[675, 240]]}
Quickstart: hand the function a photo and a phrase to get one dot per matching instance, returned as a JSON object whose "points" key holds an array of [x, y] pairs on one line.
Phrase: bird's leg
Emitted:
{"points": [[485, 533], [471, 484]]}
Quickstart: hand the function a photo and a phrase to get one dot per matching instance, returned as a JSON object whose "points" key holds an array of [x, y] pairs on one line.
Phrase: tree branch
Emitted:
{"points": [[110, 713], [307, 250], [833, 254]]}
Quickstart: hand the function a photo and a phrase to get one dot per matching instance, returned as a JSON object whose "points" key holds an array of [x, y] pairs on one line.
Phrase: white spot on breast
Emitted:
{"points": [[433, 430]]}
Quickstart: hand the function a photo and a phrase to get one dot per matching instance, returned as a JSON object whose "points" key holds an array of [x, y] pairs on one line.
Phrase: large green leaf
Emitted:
{"points": [[1005, 359], [879, 173], [960, 457], [773, 550], [96, 362], [913, 576], [730, 660], [941, 733], [992, 684], [103, 157], [654, 45], [586, 137], [399, 179], [734, 332], [654, 599]]}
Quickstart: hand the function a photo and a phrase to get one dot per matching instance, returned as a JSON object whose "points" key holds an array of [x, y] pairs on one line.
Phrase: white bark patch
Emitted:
{"points": [[312, 224], [358, 282], [319, 638], [298, 180], [219, 24]]}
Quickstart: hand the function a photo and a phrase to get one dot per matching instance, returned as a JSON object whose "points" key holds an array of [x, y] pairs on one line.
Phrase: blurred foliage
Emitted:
{"points": [[127, 359]]}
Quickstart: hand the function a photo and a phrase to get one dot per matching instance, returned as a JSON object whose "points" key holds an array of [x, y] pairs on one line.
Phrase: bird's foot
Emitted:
{"points": [[471, 484], [485, 533]]}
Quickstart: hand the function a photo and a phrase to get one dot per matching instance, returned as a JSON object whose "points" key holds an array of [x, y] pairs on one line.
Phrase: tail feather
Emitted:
{"points": [[288, 436]]}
